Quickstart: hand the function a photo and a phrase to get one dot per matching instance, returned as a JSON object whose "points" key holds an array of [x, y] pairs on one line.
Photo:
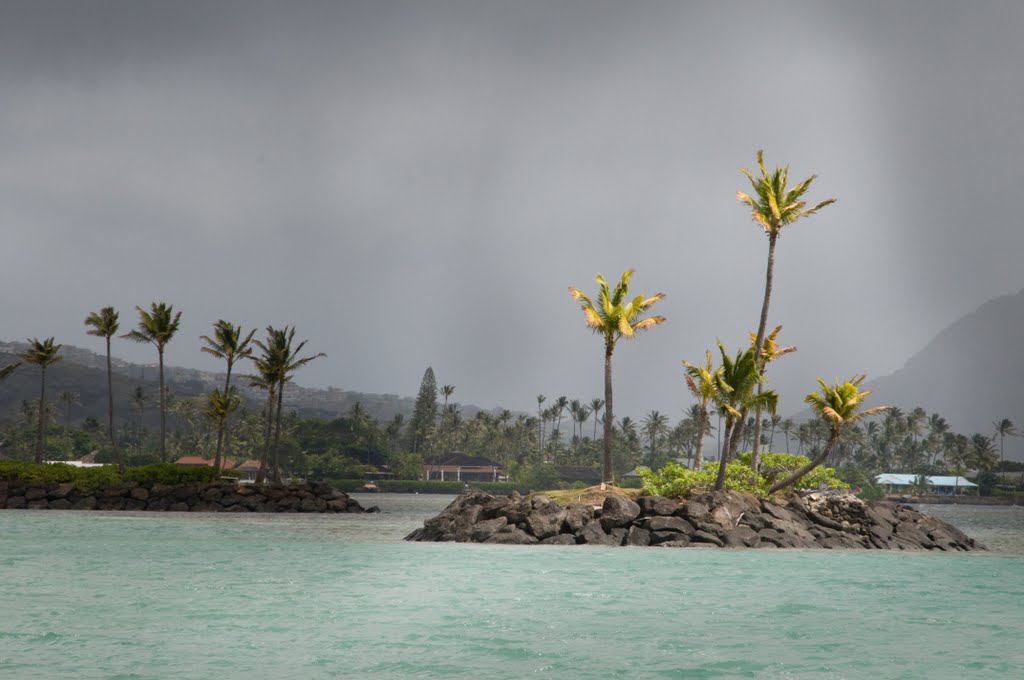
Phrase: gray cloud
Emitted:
{"points": [[418, 183]]}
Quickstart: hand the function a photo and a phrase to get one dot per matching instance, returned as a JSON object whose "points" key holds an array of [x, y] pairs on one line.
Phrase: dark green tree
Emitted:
{"points": [[228, 344], [157, 327], [105, 325], [42, 353], [424, 413]]}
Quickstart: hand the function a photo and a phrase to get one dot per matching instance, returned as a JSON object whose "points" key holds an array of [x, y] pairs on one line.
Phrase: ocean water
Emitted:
{"points": [[165, 595]]}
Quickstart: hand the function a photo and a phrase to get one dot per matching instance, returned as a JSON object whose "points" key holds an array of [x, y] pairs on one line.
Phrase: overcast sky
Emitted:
{"points": [[417, 183]]}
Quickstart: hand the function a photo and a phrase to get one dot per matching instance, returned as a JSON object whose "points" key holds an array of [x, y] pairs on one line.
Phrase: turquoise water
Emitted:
{"points": [[154, 595]]}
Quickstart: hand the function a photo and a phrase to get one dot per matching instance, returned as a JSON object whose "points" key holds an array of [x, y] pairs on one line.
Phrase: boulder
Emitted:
{"points": [[676, 524], [657, 505], [577, 516], [618, 511], [594, 534], [559, 539], [511, 535], [638, 536]]}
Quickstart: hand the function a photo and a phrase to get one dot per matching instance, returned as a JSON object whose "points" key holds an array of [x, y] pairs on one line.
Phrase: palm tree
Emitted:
{"points": [[219, 407], [838, 406], [702, 381], [615, 316], [787, 426], [447, 391], [775, 206], [982, 452], [227, 343], [560, 404], [654, 427], [540, 419], [69, 399], [277, 365], [105, 325], [736, 393], [769, 352], [42, 353], [596, 405], [1004, 428], [157, 327], [139, 401]]}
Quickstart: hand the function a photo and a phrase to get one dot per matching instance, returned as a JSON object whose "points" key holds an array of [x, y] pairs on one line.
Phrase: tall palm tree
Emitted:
{"points": [[615, 316], [279, 361], [228, 344], [839, 406], [42, 353], [139, 401], [157, 327], [736, 393], [560, 404], [447, 391], [540, 419], [775, 207], [105, 325], [703, 381], [1004, 428]]}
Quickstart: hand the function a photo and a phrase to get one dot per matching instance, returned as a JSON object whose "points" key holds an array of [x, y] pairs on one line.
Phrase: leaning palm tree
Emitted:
{"points": [[42, 353], [105, 325], [227, 343], [278, 363], [69, 399], [703, 381], [7, 370], [736, 393], [157, 327], [596, 405], [839, 406], [614, 316]]}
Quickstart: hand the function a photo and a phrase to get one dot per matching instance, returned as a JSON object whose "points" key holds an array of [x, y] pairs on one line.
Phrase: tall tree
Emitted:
{"points": [[42, 353], [703, 382], [540, 420], [424, 413], [228, 344], [157, 327], [773, 207], [655, 426], [105, 325], [1004, 428], [614, 316], [279, 361], [839, 406], [596, 405]]}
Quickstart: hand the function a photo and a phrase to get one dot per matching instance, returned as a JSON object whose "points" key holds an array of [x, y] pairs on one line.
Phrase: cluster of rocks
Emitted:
{"points": [[720, 519], [193, 497]]}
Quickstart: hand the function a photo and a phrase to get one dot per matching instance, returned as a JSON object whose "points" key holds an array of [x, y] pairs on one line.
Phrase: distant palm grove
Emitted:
{"points": [[733, 418]]}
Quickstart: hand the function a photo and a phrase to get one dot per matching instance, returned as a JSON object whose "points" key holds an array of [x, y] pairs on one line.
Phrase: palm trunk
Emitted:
{"points": [[221, 425], [608, 476], [276, 471], [262, 474], [755, 448], [818, 460], [773, 235], [163, 410], [722, 457], [702, 423], [118, 456], [41, 430]]}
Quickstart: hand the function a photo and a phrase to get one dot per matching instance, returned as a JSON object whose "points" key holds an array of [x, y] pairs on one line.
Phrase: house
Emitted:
{"points": [[248, 470], [458, 467], [896, 483]]}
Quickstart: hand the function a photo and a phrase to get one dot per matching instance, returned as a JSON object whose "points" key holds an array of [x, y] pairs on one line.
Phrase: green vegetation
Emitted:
{"points": [[677, 481], [42, 353], [157, 327], [91, 478], [105, 325]]}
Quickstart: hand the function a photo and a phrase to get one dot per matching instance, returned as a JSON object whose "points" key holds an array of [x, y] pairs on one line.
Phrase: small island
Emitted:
{"points": [[722, 519]]}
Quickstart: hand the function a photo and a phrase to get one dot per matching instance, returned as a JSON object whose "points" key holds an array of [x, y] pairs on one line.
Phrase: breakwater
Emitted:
{"points": [[722, 519], [186, 497]]}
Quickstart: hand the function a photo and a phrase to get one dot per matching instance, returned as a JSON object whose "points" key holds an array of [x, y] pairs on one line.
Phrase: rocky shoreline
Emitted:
{"points": [[722, 519], [191, 497]]}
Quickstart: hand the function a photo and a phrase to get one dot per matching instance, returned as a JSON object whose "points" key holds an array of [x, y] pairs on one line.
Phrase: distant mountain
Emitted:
{"points": [[972, 373], [85, 373]]}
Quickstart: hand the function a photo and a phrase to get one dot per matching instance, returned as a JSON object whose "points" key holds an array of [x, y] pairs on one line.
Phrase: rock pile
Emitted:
{"points": [[723, 519], [212, 497]]}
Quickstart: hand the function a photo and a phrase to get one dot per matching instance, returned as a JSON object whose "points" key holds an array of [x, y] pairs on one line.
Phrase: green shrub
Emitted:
{"points": [[107, 475], [675, 481]]}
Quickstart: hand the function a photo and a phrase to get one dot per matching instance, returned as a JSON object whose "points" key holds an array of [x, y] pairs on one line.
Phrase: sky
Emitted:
{"points": [[416, 184]]}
